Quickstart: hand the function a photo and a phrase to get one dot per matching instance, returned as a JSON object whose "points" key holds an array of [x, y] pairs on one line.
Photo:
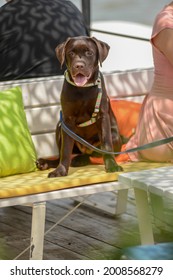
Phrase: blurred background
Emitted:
{"points": [[127, 10]]}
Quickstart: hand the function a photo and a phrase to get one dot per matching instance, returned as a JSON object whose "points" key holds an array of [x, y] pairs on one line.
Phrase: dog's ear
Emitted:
{"points": [[60, 51], [103, 49]]}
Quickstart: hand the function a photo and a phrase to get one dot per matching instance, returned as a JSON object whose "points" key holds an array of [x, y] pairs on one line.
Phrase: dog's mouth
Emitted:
{"points": [[80, 80]]}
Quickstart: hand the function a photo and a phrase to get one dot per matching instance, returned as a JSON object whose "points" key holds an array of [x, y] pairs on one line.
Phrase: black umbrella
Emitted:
{"points": [[29, 33]]}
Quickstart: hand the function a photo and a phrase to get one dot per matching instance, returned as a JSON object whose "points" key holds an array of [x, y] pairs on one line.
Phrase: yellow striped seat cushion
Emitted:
{"points": [[38, 182]]}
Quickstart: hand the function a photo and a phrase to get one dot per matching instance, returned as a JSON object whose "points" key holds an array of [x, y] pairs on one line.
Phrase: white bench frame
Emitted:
{"points": [[38, 203]]}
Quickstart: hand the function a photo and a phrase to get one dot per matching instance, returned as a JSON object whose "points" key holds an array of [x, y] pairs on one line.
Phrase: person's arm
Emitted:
{"points": [[164, 42]]}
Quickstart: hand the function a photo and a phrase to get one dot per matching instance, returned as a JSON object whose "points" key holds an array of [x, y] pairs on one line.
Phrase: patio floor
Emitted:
{"points": [[86, 234]]}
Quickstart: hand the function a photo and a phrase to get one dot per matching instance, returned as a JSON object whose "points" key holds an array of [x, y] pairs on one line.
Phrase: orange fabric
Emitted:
{"points": [[126, 113]]}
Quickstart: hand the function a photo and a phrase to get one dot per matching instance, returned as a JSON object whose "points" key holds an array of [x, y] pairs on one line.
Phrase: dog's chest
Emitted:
{"points": [[79, 101], [82, 110]]}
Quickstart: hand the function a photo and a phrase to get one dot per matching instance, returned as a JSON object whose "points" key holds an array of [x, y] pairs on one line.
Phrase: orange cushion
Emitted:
{"points": [[126, 113]]}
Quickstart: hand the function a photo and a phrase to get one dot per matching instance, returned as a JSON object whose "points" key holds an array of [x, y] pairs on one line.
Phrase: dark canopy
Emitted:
{"points": [[29, 32]]}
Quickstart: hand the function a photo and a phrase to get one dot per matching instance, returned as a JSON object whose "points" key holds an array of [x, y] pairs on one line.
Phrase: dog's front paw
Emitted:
{"points": [[58, 172], [112, 166], [42, 164]]}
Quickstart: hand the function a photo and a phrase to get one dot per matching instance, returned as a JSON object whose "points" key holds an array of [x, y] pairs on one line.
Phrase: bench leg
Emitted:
{"points": [[121, 204], [37, 230], [144, 217]]}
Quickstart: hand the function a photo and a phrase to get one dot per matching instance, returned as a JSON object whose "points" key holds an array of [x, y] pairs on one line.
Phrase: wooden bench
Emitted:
{"points": [[41, 99]]}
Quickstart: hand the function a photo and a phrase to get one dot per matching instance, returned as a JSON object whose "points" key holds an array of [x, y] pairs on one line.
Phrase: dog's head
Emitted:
{"points": [[82, 55]]}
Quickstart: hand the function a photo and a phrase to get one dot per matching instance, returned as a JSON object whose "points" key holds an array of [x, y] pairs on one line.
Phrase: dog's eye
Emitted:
{"points": [[71, 54], [89, 53]]}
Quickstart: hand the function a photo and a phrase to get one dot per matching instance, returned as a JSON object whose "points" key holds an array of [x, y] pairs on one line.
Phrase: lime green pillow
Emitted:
{"points": [[17, 152]]}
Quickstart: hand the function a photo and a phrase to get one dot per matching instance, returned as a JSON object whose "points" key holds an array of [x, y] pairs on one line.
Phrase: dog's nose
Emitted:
{"points": [[79, 65]]}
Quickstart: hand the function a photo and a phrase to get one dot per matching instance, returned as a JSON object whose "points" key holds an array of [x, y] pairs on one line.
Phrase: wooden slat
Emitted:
{"points": [[45, 145], [43, 119], [127, 83], [41, 93], [38, 92], [47, 90]]}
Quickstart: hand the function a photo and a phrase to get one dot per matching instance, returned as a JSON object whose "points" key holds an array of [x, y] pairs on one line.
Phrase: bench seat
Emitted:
{"points": [[38, 182]]}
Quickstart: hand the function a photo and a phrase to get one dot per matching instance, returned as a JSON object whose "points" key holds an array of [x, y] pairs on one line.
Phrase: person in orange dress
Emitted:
{"points": [[156, 115]]}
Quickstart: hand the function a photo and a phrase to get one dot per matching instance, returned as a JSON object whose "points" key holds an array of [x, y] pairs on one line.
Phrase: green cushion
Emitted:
{"points": [[17, 151]]}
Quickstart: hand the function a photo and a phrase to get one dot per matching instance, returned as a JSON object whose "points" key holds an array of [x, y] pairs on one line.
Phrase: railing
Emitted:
{"points": [[86, 10]]}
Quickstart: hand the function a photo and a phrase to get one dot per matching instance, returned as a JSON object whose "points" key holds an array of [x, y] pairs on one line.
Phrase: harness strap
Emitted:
{"points": [[98, 100], [95, 113]]}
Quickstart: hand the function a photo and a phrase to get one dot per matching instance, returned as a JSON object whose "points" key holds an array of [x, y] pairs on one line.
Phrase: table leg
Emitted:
{"points": [[158, 210], [144, 217]]}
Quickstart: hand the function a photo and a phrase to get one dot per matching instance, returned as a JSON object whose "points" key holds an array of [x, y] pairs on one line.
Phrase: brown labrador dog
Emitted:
{"points": [[85, 105]]}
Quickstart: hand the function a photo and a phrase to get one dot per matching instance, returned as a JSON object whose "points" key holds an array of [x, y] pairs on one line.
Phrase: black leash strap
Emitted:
{"points": [[88, 145]]}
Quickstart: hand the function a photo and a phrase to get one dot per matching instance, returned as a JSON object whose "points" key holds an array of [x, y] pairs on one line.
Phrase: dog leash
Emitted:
{"points": [[88, 145]]}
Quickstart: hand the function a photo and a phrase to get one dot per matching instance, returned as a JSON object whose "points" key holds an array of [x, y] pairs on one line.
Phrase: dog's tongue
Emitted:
{"points": [[80, 80]]}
